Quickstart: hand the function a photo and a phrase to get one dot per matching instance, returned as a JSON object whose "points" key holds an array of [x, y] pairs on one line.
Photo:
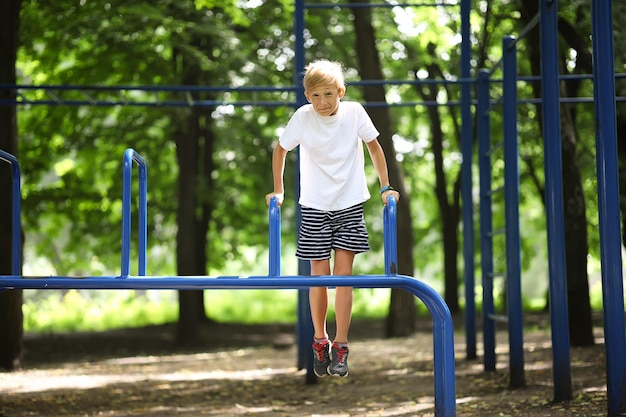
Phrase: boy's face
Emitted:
{"points": [[325, 98]]}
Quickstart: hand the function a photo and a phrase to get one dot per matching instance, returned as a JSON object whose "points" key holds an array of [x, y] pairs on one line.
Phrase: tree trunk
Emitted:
{"points": [[186, 239], [574, 215], [11, 320], [195, 145], [450, 212], [402, 320]]}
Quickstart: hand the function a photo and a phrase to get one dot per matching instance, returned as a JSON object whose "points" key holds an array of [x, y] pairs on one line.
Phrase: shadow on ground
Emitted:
{"points": [[242, 370]]}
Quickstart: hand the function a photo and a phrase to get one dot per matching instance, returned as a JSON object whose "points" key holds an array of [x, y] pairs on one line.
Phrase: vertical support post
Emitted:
{"points": [[390, 236], [16, 210], [511, 203], [305, 325], [274, 257], [554, 200], [466, 180], [129, 156], [483, 126], [143, 215], [608, 204]]}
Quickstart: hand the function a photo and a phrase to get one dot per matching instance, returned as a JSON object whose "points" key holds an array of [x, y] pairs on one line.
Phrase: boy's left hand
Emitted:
{"points": [[387, 193]]}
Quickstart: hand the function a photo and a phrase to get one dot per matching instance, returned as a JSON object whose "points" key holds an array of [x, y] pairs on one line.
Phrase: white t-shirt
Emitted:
{"points": [[332, 163]]}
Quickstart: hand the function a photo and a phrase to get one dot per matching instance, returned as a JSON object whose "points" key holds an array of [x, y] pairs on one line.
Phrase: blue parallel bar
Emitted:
{"points": [[443, 331], [561, 367], [466, 181], [16, 209], [390, 232], [274, 221], [483, 129], [511, 203], [608, 204], [129, 156]]}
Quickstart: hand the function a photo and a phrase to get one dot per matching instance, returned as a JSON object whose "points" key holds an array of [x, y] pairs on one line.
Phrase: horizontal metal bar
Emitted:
{"points": [[496, 190], [498, 317], [162, 88], [202, 103], [164, 103], [498, 146], [202, 282], [374, 5], [497, 232]]}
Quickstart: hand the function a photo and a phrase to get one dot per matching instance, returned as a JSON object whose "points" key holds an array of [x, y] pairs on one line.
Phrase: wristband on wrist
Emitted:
{"points": [[386, 188]]}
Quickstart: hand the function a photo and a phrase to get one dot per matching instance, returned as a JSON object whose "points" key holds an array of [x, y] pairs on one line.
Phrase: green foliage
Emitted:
{"points": [[94, 311], [71, 155]]}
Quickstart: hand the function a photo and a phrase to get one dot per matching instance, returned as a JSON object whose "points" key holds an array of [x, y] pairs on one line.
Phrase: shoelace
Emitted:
{"points": [[320, 349], [341, 353]]}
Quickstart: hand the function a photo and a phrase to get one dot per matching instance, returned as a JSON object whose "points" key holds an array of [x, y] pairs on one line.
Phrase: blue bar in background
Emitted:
{"points": [[511, 203], [608, 205], [554, 201]]}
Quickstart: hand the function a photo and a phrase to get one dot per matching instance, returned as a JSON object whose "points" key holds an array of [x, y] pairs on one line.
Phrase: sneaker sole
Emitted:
{"points": [[337, 374]]}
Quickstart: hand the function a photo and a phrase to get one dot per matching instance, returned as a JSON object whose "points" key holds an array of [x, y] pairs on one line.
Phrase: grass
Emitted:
{"points": [[50, 311]]}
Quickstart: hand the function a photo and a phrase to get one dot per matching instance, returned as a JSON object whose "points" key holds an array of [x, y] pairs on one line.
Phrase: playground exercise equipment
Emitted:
{"points": [[443, 330], [608, 195], [610, 230], [511, 230]]}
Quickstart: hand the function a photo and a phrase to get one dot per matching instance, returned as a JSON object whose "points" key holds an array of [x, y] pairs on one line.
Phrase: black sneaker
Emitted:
{"points": [[339, 364], [321, 358]]}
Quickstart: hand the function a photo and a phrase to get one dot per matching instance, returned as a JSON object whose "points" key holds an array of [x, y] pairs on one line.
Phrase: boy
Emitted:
{"points": [[333, 189]]}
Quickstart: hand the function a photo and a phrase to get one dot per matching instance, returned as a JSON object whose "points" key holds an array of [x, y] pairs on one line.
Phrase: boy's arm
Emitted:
{"points": [[380, 164], [278, 168]]}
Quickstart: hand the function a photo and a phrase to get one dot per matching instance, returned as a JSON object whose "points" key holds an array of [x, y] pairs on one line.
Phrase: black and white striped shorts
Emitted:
{"points": [[323, 231]]}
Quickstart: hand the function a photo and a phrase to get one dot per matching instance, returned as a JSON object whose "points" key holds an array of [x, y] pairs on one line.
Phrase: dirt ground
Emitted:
{"points": [[251, 371]]}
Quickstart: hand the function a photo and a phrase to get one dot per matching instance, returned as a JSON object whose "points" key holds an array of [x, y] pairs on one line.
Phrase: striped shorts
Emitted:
{"points": [[323, 231]]}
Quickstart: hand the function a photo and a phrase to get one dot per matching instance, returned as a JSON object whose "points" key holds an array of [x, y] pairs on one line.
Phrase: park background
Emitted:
{"points": [[209, 165]]}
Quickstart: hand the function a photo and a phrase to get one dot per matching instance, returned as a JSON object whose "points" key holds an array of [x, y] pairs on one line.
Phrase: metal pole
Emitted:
{"points": [[483, 129], [511, 203], [608, 205], [466, 181], [554, 201], [305, 325]]}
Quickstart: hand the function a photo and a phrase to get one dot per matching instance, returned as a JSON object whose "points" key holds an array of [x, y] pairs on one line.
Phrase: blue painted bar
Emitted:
{"points": [[466, 181], [373, 5], [608, 205], [274, 222], [511, 207], [16, 211], [131, 156], [390, 240], [483, 130], [554, 201], [443, 330]]}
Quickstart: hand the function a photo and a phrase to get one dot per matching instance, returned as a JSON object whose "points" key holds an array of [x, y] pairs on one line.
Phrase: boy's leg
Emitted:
{"points": [[343, 312], [318, 298], [343, 295]]}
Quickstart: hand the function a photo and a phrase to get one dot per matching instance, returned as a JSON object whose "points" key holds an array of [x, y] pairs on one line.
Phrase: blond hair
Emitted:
{"points": [[323, 72]]}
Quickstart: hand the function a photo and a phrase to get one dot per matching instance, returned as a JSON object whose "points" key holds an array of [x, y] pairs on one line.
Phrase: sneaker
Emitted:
{"points": [[321, 358], [339, 364]]}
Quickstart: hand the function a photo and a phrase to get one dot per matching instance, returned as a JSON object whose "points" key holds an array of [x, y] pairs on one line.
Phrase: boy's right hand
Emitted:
{"points": [[279, 198]]}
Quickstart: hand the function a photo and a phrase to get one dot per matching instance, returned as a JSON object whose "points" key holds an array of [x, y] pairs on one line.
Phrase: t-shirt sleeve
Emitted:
{"points": [[367, 130], [290, 138]]}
